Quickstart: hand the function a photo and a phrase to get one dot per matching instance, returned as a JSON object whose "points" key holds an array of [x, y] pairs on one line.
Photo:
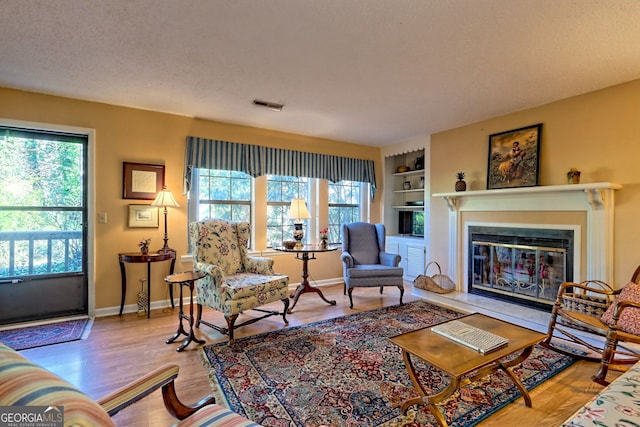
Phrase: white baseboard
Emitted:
{"points": [[155, 305]]}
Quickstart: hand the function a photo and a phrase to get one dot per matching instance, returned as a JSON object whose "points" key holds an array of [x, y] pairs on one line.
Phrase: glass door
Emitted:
{"points": [[43, 219]]}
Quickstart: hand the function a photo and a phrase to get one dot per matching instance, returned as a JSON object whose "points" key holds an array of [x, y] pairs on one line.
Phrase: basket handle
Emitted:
{"points": [[426, 267]]}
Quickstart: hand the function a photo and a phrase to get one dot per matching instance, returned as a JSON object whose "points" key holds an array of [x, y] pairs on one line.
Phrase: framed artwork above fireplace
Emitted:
{"points": [[514, 158]]}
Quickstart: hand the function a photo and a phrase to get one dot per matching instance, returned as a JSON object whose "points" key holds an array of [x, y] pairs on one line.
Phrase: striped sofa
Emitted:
{"points": [[25, 384]]}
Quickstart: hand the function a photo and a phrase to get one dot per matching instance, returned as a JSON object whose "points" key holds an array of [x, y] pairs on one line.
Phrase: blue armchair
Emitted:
{"points": [[365, 262]]}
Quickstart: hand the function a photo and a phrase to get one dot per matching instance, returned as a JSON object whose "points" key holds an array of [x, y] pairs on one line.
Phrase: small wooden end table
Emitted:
{"points": [[186, 278], [137, 257], [306, 253], [459, 361]]}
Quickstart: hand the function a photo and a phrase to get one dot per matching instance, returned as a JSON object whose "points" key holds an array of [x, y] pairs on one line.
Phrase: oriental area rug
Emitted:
{"points": [[345, 372], [48, 334]]}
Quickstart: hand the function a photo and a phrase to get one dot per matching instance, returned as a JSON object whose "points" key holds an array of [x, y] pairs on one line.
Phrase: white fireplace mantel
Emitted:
{"points": [[596, 199]]}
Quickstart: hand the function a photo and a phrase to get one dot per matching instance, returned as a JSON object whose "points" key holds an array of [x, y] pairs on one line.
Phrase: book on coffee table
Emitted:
{"points": [[471, 336]]}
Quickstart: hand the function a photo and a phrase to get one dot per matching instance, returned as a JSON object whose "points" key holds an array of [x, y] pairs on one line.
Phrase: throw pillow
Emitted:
{"points": [[630, 318]]}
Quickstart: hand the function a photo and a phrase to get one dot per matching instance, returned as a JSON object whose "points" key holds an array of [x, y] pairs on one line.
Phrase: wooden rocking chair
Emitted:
{"points": [[581, 307]]}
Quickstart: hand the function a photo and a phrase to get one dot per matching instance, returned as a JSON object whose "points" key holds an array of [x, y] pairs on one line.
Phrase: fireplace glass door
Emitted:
{"points": [[529, 273]]}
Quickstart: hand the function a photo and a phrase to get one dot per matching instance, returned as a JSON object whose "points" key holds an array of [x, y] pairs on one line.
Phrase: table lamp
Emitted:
{"points": [[298, 211], [165, 199]]}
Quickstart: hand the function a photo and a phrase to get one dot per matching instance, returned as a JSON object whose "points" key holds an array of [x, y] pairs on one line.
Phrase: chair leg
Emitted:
{"points": [[230, 321], [607, 356], [344, 288], [401, 293], [381, 287], [285, 301], [199, 316], [350, 298], [552, 324]]}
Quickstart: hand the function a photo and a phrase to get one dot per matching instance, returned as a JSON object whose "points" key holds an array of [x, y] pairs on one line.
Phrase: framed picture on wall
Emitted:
{"points": [[142, 181], [514, 158], [143, 216]]}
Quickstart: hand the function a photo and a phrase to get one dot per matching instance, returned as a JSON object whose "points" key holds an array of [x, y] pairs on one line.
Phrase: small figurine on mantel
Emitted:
{"points": [[461, 185], [573, 176]]}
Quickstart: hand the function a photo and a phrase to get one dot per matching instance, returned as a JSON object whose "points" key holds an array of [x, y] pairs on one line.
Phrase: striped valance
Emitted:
{"points": [[257, 160]]}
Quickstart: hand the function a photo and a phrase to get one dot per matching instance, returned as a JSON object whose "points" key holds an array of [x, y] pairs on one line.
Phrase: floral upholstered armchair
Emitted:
{"points": [[235, 282]]}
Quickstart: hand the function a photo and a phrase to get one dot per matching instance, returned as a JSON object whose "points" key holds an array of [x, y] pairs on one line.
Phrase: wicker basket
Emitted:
{"points": [[438, 283]]}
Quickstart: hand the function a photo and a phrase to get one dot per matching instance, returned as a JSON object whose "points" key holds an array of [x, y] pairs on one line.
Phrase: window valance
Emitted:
{"points": [[257, 160]]}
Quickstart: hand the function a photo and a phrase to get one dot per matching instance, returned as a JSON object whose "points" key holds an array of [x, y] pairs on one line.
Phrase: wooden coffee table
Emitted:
{"points": [[459, 361]]}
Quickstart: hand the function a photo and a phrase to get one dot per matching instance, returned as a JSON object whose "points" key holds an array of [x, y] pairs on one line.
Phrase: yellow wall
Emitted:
{"points": [[132, 135], [597, 133]]}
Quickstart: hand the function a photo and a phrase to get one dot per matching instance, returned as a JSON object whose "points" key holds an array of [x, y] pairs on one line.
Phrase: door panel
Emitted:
{"points": [[43, 217], [47, 297]]}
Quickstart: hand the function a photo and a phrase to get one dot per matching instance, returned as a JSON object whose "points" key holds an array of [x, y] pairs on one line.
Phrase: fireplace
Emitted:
{"points": [[525, 265], [586, 210]]}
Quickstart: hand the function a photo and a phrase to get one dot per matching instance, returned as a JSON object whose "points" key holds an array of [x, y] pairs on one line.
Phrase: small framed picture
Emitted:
{"points": [[142, 181], [514, 158], [143, 216]]}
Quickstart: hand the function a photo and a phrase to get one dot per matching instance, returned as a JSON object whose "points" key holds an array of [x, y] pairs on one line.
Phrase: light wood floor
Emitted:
{"points": [[121, 348]]}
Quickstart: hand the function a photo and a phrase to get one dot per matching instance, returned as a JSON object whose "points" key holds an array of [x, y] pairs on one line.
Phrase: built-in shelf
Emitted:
{"points": [[413, 190], [407, 207], [413, 172]]}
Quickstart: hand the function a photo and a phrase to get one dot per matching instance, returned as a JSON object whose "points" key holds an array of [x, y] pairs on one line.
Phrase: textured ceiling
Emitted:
{"points": [[374, 72]]}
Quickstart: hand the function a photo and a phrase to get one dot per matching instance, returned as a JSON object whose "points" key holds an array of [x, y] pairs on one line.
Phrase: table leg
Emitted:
{"points": [[190, 336], [171, 267], [505, 367], [180, 330], [148, 289], [123, 283], [431, 400], [190, 318], [305, 286]]}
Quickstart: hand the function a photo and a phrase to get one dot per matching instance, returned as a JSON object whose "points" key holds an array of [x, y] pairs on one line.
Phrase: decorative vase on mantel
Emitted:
{"points": [[573, 176], [460, 184]]}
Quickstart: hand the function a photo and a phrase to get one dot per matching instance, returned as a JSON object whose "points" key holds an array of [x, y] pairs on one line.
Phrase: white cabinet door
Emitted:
{"points": [[413, 254], [415, 261]]}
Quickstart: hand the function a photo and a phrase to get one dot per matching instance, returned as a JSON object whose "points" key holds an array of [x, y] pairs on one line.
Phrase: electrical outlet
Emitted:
{"points": [[102, 217]]}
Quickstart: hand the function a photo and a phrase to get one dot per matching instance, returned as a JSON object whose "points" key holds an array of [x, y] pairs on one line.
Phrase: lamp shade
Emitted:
{"points": [[165, 198], [298, 209]]}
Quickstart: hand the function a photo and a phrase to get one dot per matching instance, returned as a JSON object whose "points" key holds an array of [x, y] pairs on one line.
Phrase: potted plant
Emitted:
{"points": [[144, 245]]}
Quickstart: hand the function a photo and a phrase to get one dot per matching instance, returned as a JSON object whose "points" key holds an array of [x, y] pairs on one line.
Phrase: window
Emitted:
{"points": [[236, 196], [221, 194], [280, 191], [344, 206], [42, 202]]}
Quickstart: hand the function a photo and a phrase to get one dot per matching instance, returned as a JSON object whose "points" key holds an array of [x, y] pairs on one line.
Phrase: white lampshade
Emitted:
{"points": [[165, 198], [298, 210]]}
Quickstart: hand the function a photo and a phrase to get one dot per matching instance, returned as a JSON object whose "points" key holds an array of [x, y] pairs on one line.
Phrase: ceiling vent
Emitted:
{"points": [[270, 105]]}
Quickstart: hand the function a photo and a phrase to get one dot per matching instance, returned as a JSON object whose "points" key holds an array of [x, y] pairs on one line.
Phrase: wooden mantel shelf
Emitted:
{"points": [[593, 191]]}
